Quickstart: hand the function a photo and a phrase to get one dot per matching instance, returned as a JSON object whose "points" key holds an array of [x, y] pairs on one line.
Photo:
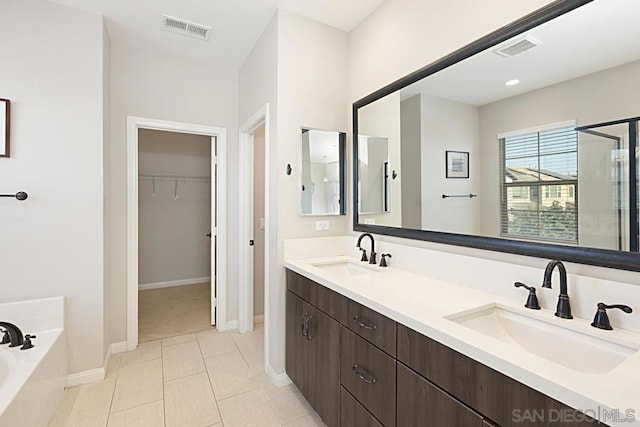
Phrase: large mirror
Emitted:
{"points": [[322, 172], [524, 141]]}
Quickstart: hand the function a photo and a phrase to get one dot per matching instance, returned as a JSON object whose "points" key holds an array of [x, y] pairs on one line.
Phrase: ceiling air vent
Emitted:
{"points": [[185, 27], [517, 47]]}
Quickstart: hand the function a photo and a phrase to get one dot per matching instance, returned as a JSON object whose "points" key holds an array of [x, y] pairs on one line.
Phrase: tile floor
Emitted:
{"points": [[178, 310], [204, 379]]}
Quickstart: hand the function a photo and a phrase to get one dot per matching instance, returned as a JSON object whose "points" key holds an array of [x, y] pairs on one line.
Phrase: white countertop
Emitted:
{"points": [[422, 303]]}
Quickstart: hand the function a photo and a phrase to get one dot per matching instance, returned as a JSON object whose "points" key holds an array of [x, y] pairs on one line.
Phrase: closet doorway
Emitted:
{"points": [[174, 234], [175, 230]]}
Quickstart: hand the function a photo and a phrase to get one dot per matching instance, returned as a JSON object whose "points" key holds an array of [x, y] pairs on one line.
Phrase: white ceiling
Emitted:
{"points": [[323, 146], [597, 36], [237, 24]]}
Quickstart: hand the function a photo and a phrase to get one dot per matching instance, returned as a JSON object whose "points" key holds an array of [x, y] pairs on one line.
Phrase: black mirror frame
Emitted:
{"points": [[629, 261]]}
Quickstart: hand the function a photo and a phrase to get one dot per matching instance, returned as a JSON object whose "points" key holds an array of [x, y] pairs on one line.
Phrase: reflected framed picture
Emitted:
{"points": [[4, 127], [457, 164]]}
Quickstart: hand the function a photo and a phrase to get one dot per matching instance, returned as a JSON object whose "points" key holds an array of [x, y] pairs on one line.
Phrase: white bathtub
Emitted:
{"points": [[32, 381]]}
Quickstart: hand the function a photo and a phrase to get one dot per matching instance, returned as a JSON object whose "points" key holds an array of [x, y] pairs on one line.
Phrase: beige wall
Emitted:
{"points": [[453, 126], [410, 158], [154, 85], [575, 99], [258, 213], [172, 241], [298, 66], [381, 119], [52, 243]]}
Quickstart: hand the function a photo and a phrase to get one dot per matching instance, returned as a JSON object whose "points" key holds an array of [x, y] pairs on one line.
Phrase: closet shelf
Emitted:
{"points": [[170, 177]]}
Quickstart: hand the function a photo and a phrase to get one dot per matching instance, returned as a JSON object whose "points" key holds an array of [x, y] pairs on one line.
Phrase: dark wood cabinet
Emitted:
{"points": [[324, 366], [358, 368], [353, 414], [296, 362], [495, 395], [313, 357], [369, 374], [420, 403]]}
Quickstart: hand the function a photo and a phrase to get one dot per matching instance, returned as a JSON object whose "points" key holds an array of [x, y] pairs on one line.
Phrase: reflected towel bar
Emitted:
{"points": [[470, 196], [20, 195]]}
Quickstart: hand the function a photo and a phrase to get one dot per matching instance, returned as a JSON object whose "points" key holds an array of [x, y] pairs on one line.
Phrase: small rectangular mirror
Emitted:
{"points": [[322, 172]]}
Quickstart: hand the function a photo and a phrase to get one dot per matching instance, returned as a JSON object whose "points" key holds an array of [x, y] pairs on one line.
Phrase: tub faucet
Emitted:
{"points": [[563, 309], [15, 334], [372, 257]]}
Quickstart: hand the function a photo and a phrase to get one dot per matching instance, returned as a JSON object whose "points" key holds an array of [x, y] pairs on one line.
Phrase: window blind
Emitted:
{"points": [[539, 185]]}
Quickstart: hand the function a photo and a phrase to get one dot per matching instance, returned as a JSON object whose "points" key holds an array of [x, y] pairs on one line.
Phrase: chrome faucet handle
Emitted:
{"points": [[601, 320], [532, 299], [363, 258]]}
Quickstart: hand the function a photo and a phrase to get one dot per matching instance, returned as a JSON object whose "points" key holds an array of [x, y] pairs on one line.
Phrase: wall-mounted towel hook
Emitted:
{"points": [[289, 170], [20, 195], [175, 191], [153, 184]]}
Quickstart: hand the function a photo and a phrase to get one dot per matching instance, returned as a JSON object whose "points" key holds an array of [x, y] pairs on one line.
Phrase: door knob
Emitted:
{"points": [[209, 235]]}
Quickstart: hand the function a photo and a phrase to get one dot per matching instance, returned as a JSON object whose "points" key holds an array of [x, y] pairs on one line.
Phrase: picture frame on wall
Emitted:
{"points": [[457, 164], [4, 126]]}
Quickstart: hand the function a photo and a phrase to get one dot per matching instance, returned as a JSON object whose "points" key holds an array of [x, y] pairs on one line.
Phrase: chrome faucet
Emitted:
{"points": [[563, 309], [15, 334], [372, 257]]}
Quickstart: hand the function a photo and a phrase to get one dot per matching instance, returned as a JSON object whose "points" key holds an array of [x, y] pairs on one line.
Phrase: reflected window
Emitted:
{"points": [[539, 184]]}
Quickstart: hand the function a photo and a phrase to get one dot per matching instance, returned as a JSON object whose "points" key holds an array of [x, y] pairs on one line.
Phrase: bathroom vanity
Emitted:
{"points": [[368, 346]]}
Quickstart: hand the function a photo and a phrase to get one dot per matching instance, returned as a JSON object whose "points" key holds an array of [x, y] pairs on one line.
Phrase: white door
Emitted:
{"points": [[213, 233]]}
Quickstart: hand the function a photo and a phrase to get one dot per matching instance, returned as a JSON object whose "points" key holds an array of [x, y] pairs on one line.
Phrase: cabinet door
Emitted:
{"points": [[324, 366], [420, 403], [353, 414], [296, 344]]}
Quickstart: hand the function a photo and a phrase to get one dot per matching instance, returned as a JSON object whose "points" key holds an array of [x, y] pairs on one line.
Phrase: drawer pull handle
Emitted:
{"points": [[304, 328], [364, 325], [308, 335], [362, 376]]}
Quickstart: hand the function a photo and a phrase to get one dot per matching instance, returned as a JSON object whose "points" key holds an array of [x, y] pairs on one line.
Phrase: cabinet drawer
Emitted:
{"points": [[420, 403], [489, 392], [353, 414], [332, 303], [301, 286], [372, 326], [369, 375]]}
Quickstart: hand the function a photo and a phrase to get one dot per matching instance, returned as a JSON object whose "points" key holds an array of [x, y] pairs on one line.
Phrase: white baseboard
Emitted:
{"points": [[258, 319], [85, 377], [97, 374], [171, 283], [231, 324], [118, 347], [278, 380]]}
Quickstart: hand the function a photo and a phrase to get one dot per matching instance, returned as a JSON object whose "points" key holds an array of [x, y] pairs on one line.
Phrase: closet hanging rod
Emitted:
{"points": [[470, 196], [168, 177], [20, 195]]}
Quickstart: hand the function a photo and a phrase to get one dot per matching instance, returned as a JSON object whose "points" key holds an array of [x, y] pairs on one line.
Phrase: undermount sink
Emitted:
{"points": [[344, 268], [570, 348]]}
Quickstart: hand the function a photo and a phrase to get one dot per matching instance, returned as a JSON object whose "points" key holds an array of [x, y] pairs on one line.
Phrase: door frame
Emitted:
{"points": [[245, 206], [218, 225]]}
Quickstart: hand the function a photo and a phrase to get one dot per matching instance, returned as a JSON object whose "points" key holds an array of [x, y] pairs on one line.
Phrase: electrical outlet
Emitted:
{"points": [[261, 223], [322, 225]]}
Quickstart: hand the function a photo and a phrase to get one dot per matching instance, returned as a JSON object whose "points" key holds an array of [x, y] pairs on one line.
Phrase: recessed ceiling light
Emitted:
{"points": [[512, 82]]}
